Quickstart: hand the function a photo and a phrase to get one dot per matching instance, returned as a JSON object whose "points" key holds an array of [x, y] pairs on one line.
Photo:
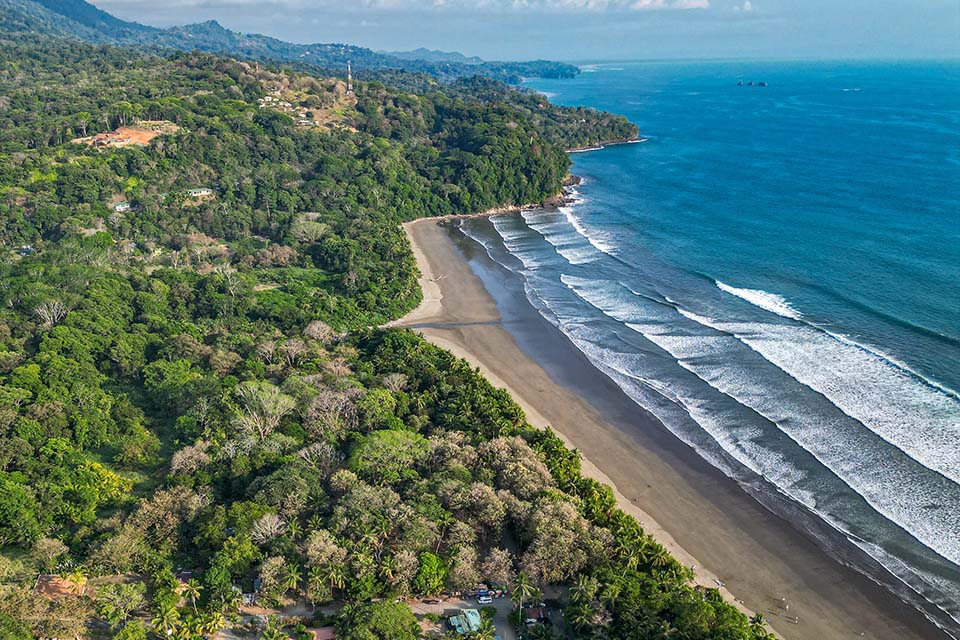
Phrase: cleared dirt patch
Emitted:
{"points": [[139, 135]]}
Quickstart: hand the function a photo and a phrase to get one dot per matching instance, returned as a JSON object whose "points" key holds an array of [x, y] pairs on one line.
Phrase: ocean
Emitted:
{"points": [[775, 274]]}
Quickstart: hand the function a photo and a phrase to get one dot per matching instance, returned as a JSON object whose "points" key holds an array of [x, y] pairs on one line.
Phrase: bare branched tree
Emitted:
{"points": [[395, 382], [266, 351], [264, 406], [267, 528], [51, 312], [319, 331], [331, 410], [292, 350], [323, 456]]}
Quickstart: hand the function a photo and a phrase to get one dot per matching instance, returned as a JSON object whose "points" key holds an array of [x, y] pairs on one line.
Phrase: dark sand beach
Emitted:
{"points": [[478, 310]]}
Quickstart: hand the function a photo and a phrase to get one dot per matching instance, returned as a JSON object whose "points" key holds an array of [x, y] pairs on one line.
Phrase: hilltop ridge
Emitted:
{"points": [[81, 20]]}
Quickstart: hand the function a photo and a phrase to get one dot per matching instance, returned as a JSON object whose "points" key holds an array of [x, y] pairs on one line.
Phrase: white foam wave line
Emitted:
{"points": [[918, 420], [779, 305], [627, 382], [895, 362], [555, 230], [622, 380], [891, 488], [599, 243], [899, 498], [602, 359], [894, 491], [768, 301]]}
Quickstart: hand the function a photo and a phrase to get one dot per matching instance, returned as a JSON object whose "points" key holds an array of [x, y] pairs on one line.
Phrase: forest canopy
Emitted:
{"points": [[193, 403]]}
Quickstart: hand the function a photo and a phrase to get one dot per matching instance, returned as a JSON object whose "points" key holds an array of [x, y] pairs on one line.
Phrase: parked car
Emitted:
{"points": [[485, 600]]}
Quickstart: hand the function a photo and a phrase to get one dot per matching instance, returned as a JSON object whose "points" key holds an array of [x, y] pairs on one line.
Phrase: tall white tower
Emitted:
{"points": [[349, 79]]}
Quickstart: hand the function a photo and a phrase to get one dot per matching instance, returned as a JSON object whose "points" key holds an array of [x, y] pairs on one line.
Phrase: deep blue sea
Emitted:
{"points": [[775, 273]]}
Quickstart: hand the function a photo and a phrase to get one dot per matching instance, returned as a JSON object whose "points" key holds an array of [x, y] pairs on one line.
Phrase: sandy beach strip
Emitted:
{"points": [[702, 517]]}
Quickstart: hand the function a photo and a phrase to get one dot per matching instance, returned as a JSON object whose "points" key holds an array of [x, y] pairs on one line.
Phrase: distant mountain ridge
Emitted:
{"points": [[81, 20], [433, 55]]}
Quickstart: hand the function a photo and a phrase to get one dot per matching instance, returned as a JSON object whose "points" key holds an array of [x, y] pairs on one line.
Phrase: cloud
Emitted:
{"points": [[746, 7]]}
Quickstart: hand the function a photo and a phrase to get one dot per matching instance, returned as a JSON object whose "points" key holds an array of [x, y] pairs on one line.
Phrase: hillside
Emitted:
{"points": [[82, 20], [199, 430]]}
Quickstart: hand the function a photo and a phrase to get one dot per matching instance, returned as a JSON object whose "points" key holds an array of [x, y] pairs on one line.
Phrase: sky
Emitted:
{"points": [[588, 30]]}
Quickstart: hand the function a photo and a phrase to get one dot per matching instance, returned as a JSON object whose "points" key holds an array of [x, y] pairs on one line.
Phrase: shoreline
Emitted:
{"points": [[702, 517], [603, 144]]}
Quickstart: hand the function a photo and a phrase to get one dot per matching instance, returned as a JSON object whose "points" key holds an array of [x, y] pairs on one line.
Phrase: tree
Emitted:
{"points": [[267, 528], [585, 588], [377, 621], [191, 590], [115, 602], [46, 551], [165, 621], [51, 312], [487, 630], [18, 513], [523, 590], [431, 574], [274, 631], [264, 406], [497, 567]]}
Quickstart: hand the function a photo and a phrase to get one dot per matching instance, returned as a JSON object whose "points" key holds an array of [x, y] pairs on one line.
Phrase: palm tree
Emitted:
{"points": [[315, 522], [165, 621], [316, 580], [523, 589], [273, 632], [582, 616], [294, 529], [610, 594], [388, 568], [291, 577], [191, 590], [337, 575], [486, 631], [659, 558], [585, 588], [757, 625], [213, 622], [77, 578], [666, 631], [350, 614]]}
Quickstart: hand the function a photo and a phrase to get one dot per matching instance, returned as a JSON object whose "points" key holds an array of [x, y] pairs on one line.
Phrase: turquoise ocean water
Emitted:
{"points": [[775, 273]]}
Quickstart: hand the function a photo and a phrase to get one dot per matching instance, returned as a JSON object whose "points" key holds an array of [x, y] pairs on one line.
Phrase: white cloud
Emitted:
{"points": [[746, 7]]}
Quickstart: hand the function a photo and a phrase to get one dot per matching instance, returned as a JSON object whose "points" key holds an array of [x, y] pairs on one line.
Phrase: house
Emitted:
{"points": [[534, 615], [122, 207], [202, 192], [467, 622], [53, 587], [25, 250]]}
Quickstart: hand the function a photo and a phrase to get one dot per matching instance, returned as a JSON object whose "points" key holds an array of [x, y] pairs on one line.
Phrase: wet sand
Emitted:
{"points": [[478, 310]]}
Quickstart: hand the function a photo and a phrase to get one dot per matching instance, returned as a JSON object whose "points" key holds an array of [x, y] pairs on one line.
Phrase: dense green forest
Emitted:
{"points": [[189, 382], [81, 20]]}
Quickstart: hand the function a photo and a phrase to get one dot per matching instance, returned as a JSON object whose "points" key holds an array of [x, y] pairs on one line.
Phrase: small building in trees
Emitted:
{"points": [[467, 622], [534, 615]]}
